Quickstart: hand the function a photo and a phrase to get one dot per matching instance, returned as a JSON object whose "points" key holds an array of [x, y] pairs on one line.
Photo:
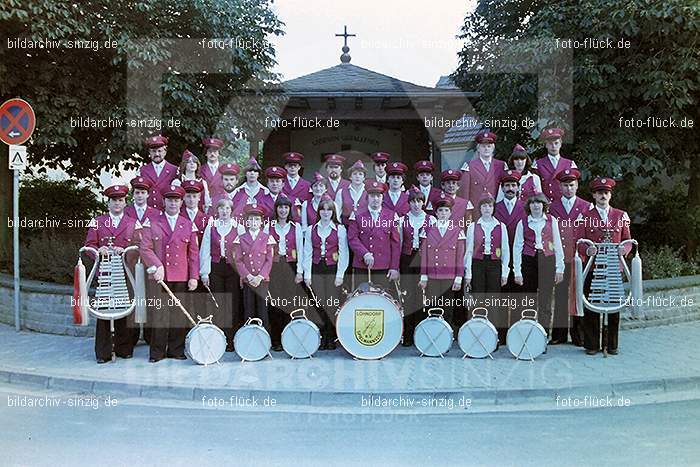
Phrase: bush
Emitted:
{"points": [[50, 257], [665, 262]]}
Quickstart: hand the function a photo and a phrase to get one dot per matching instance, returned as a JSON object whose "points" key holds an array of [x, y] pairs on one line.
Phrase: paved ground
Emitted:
{"points": [[127, 435], [650, 359]]}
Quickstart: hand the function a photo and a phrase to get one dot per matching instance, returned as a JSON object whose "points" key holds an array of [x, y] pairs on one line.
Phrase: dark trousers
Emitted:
{"points": [[328, 295], [538, 278], [486, 284], [224, 283], [442, 288], [413, 307], [591, 324], [169, 325], [123, 337], [286, 296], [255, 303], [379, 279], [561, 327]]}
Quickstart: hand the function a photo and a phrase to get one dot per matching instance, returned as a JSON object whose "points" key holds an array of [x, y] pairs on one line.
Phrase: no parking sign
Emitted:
{"points": [[17, 121]]}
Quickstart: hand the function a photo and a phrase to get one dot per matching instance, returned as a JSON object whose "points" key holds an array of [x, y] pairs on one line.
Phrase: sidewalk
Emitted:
{"points": [[657, 360]]}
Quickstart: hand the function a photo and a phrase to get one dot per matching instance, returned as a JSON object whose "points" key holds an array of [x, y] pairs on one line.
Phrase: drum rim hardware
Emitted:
{"points": [[252, 321], [479, 317], [300, 341], [432, 313], [534, 325]]}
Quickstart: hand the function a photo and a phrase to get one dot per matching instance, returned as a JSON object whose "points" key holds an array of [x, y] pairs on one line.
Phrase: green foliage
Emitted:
{"points": [[666, 262], [50, 256], [63, 83]]}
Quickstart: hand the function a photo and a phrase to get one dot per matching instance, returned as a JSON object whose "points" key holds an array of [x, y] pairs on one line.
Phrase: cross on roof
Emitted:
{"points": [[345, 36]]}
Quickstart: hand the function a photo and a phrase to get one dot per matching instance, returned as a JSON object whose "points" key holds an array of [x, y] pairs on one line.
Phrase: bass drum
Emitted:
{"points": [[433, 336], [526, 338], [205, 344], [478, 337], [369, 325], [252, 341], [301, 338]]}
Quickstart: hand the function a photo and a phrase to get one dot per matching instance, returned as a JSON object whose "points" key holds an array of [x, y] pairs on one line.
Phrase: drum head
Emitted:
{"points": [[301, 338], [526, 339], [252, 342], [433, 337], [369, 325], [477, 338], [205, 344]]}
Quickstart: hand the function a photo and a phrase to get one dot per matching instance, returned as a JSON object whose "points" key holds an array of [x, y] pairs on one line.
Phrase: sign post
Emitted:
{"points": [[17, 122]]}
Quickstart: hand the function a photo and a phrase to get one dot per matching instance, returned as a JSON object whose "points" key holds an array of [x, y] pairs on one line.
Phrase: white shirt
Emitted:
{"points": [[487, 163], [251, 191], [191, 213], [538, 226], [213, 167], [505, 247], [510, 204], [380, 179], [116, 220], [292, 181], [140, 210], [158, 167], [442, 226], [223, 228], [172, 220], [568, 203], [554, 160], [254, 233], [323, 232], [426, 191], [394, 195], [356, 194], [374, 214], [603, 213], [282, 243], [334, 183], [416, 223], [282, 232]]}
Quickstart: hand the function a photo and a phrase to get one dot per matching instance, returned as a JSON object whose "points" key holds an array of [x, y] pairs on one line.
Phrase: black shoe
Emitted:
{"points": [[126, 357], [407, 343], [613, 351], [277, 347], [103, 360], [229, 347], [179, 357], [591, 352], [556, 342], [577, 343], [154, 360], [330, 345]]}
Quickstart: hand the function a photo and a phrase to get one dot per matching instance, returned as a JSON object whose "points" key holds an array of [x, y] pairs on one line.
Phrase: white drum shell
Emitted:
{"points": [[301, 338], [252, 342], [392, 325], [205, 344], [441, 333], [483, 329], [536, 342]]}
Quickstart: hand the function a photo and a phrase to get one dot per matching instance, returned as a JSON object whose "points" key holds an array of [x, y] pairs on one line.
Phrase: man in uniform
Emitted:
{"points": [[569, 209], [595, 223], [373, 236], [353, 198], [140, 210], [170, 252], [229, 179], [481, 175], [461, 209], [334, 169], [210, 171], [275, 184], [122, 231], [381, 159], [190, 207], [160, 173], [424, 175], [251, 192], [396, 198], [549, 166], [295, 187]]}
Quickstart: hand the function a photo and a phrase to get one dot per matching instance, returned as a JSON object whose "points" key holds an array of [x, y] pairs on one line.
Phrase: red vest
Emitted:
{"points": [[547, 238], [292, 254], [332, 251], [478, 252], [215, 243]]}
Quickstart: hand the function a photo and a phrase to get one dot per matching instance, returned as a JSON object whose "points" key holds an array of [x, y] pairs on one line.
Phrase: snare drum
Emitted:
{"points": [[478, 337], [205, 343], [301, 338], [526, 338], [252, 341], [369, 325], [433, 336]]}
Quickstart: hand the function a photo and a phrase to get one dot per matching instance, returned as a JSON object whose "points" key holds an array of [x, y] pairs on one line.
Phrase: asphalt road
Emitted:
{"points": [[79, 430]]}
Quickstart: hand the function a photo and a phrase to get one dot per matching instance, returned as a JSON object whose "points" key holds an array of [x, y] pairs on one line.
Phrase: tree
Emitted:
{"points": [[77, 75], [652, 79]]}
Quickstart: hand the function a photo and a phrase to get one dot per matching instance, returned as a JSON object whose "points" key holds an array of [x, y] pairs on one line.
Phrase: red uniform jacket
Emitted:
{"points": [[214, 181], [241, 199], [476, 182], [401, 207], [150, 213], [301, 191], [200, 221], [510, 220], [176, 250], [253, 256], [407, 233], [569, 223], [592, 227], [443, 257], [548, 175], [347, 205], [167, 175], [380, 238], [333, 191], [127, 233]]}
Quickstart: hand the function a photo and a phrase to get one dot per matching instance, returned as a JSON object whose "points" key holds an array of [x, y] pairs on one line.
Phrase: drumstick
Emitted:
{"points": [[177, 302], [211, 294], [316, 302], [369, 274]]}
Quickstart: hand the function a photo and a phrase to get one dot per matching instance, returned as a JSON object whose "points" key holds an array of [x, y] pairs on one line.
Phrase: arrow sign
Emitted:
{"points": [[17, 121], [18, 157]]}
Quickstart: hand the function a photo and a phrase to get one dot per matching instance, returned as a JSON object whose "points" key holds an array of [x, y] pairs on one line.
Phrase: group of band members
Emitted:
{"points": [[490, 228]]}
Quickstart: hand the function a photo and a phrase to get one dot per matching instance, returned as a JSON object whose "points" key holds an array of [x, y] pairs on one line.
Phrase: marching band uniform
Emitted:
{"points": [[380, 159], [412, 227], [325, 260], [487, 260], [141, 213], [309, 209], [197, 217], [461, 208], [442, 259], [569, 212], [287, 265], [229, 170], [170, 242], [159, 175], [352, 199], [296, 188], [216, 265], [123, 231], [537, 256], [430, 192], [253, 252], [549, 166], [397, 201], [210, 170], [181, 180], [335, 184], [375, 232], [481, 176], [249, 193], [594, 225], [530, 182], [268, 200]]}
